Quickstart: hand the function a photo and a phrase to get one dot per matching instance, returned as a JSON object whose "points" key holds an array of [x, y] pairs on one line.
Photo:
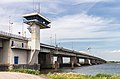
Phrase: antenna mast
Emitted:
{"points": [[23, 28], [33, 5], [10, 25], [39, 7], [55, 40]]}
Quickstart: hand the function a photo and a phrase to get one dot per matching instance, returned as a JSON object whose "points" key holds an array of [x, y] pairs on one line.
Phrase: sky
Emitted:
{"points": [[75, 24]]}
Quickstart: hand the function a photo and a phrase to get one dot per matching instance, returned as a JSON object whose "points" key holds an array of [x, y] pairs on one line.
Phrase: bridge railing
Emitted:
{"points": [[12, 35]]}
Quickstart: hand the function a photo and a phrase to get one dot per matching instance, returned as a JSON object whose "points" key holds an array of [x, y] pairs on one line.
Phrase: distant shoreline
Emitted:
{"points": [[113, 61]]}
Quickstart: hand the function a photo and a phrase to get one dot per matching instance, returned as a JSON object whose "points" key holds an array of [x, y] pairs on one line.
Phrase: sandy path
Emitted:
{"points": [[15, 75]]}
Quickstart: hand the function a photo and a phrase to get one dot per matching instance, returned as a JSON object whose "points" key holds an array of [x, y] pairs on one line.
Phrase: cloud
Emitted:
{"points": [[78, 25], [116, 51], [11, 1]]}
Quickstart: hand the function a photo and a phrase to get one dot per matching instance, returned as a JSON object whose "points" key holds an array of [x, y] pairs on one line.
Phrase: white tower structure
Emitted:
{"points": [[36, 22]]}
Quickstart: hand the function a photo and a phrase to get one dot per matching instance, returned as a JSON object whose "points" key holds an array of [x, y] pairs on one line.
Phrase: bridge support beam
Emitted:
{"points": [[86, 62], [60, 59], [92, 61], [45, 60], [74, 61], [49, 59], [97, 61], [78, 60]]}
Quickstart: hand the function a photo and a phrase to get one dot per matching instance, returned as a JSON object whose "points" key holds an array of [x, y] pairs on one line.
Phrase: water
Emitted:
{"points": [[95, 69]]}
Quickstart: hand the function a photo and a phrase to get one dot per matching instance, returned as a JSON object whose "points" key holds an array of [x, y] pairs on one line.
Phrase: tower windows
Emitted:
{"points": [[12, 43], [22, 45]]}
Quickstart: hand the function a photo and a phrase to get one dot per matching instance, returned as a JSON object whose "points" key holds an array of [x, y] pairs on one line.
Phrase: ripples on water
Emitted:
{"points": [[95, 69]]}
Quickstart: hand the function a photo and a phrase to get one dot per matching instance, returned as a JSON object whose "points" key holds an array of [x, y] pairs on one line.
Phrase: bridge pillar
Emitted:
{"points": [[78, 60], [92, 61], [60, 59], [74, 61], [45, 60], [97, 61], [49, 59], [86, 61]]}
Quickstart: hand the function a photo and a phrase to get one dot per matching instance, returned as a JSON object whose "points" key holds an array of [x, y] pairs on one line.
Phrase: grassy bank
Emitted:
{"points": [[79, 76], [68, 75]]}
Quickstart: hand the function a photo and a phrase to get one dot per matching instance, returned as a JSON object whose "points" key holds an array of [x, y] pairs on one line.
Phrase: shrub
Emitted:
{"points": [[103, 75]]}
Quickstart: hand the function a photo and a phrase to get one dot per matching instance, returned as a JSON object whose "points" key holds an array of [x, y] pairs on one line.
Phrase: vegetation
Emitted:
{"points": [[68, 75], [79, 76], [28, 71]]}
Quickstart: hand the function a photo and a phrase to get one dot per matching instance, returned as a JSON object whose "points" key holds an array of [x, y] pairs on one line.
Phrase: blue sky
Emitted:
{"points": [[77, 24]]}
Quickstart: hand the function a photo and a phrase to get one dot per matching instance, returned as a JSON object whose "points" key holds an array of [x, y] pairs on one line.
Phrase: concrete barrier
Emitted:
{"points": [[4, 67]]}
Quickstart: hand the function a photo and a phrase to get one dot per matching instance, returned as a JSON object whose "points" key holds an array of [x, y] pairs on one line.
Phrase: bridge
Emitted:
{"points": [[47, 52], [21, 51]]}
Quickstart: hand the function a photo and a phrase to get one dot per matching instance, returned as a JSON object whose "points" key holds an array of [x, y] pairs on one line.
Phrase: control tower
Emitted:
{"points": [[36, 22]]}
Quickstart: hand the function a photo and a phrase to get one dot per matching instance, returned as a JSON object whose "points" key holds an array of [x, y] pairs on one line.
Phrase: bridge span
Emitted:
{"points": [[48, 52]]}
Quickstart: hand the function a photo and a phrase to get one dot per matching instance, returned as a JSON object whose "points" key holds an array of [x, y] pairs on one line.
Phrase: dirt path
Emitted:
{"points": [[15, 75]]}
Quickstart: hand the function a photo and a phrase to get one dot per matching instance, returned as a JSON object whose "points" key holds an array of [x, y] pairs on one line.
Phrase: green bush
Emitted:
{"points": [[29, 71], [103, 75]]}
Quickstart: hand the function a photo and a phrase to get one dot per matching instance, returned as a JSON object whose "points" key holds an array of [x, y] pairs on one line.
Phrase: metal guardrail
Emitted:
{"points": [[12, 35]]}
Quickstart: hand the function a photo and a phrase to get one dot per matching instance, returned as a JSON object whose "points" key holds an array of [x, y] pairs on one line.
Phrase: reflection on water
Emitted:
{"points": [[91, 70]]}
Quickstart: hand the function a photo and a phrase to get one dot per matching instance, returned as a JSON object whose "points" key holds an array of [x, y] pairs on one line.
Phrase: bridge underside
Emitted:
{"points": [[46, 60]]}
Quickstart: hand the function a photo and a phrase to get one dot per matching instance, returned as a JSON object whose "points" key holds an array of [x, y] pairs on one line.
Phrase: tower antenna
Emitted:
{"points": [[23, 28], [55, 41], [33, 5], [10, 25], [39, 7]]}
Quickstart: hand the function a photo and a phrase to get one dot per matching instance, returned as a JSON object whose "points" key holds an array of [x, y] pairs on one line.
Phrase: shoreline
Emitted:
{"points": [[56, 75]]}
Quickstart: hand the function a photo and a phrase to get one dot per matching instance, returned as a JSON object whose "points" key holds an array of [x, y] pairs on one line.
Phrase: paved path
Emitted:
{"points": [[15, 75]]}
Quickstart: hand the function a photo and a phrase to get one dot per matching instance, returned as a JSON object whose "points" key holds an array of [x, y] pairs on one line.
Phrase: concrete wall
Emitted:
{"points": [[18, 43], [20, 52], [1, 49], [1, 43], [35, 37], [45, 50], [1, 55], [22, 55], [6, 52]]}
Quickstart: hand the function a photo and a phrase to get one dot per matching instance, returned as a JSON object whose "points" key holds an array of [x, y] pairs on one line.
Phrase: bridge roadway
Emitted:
{"points": [[47, 52]]}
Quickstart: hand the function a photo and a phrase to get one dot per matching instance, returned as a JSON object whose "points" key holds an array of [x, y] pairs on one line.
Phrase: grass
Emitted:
{"points": [[68, 75], [80, 76]]}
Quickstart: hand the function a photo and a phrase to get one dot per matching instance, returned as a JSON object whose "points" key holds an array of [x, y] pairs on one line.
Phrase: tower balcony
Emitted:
{"points": [[37, 18]]}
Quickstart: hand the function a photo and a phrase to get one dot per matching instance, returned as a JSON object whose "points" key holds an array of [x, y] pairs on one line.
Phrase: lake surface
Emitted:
{"points": [[94, 69]]}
